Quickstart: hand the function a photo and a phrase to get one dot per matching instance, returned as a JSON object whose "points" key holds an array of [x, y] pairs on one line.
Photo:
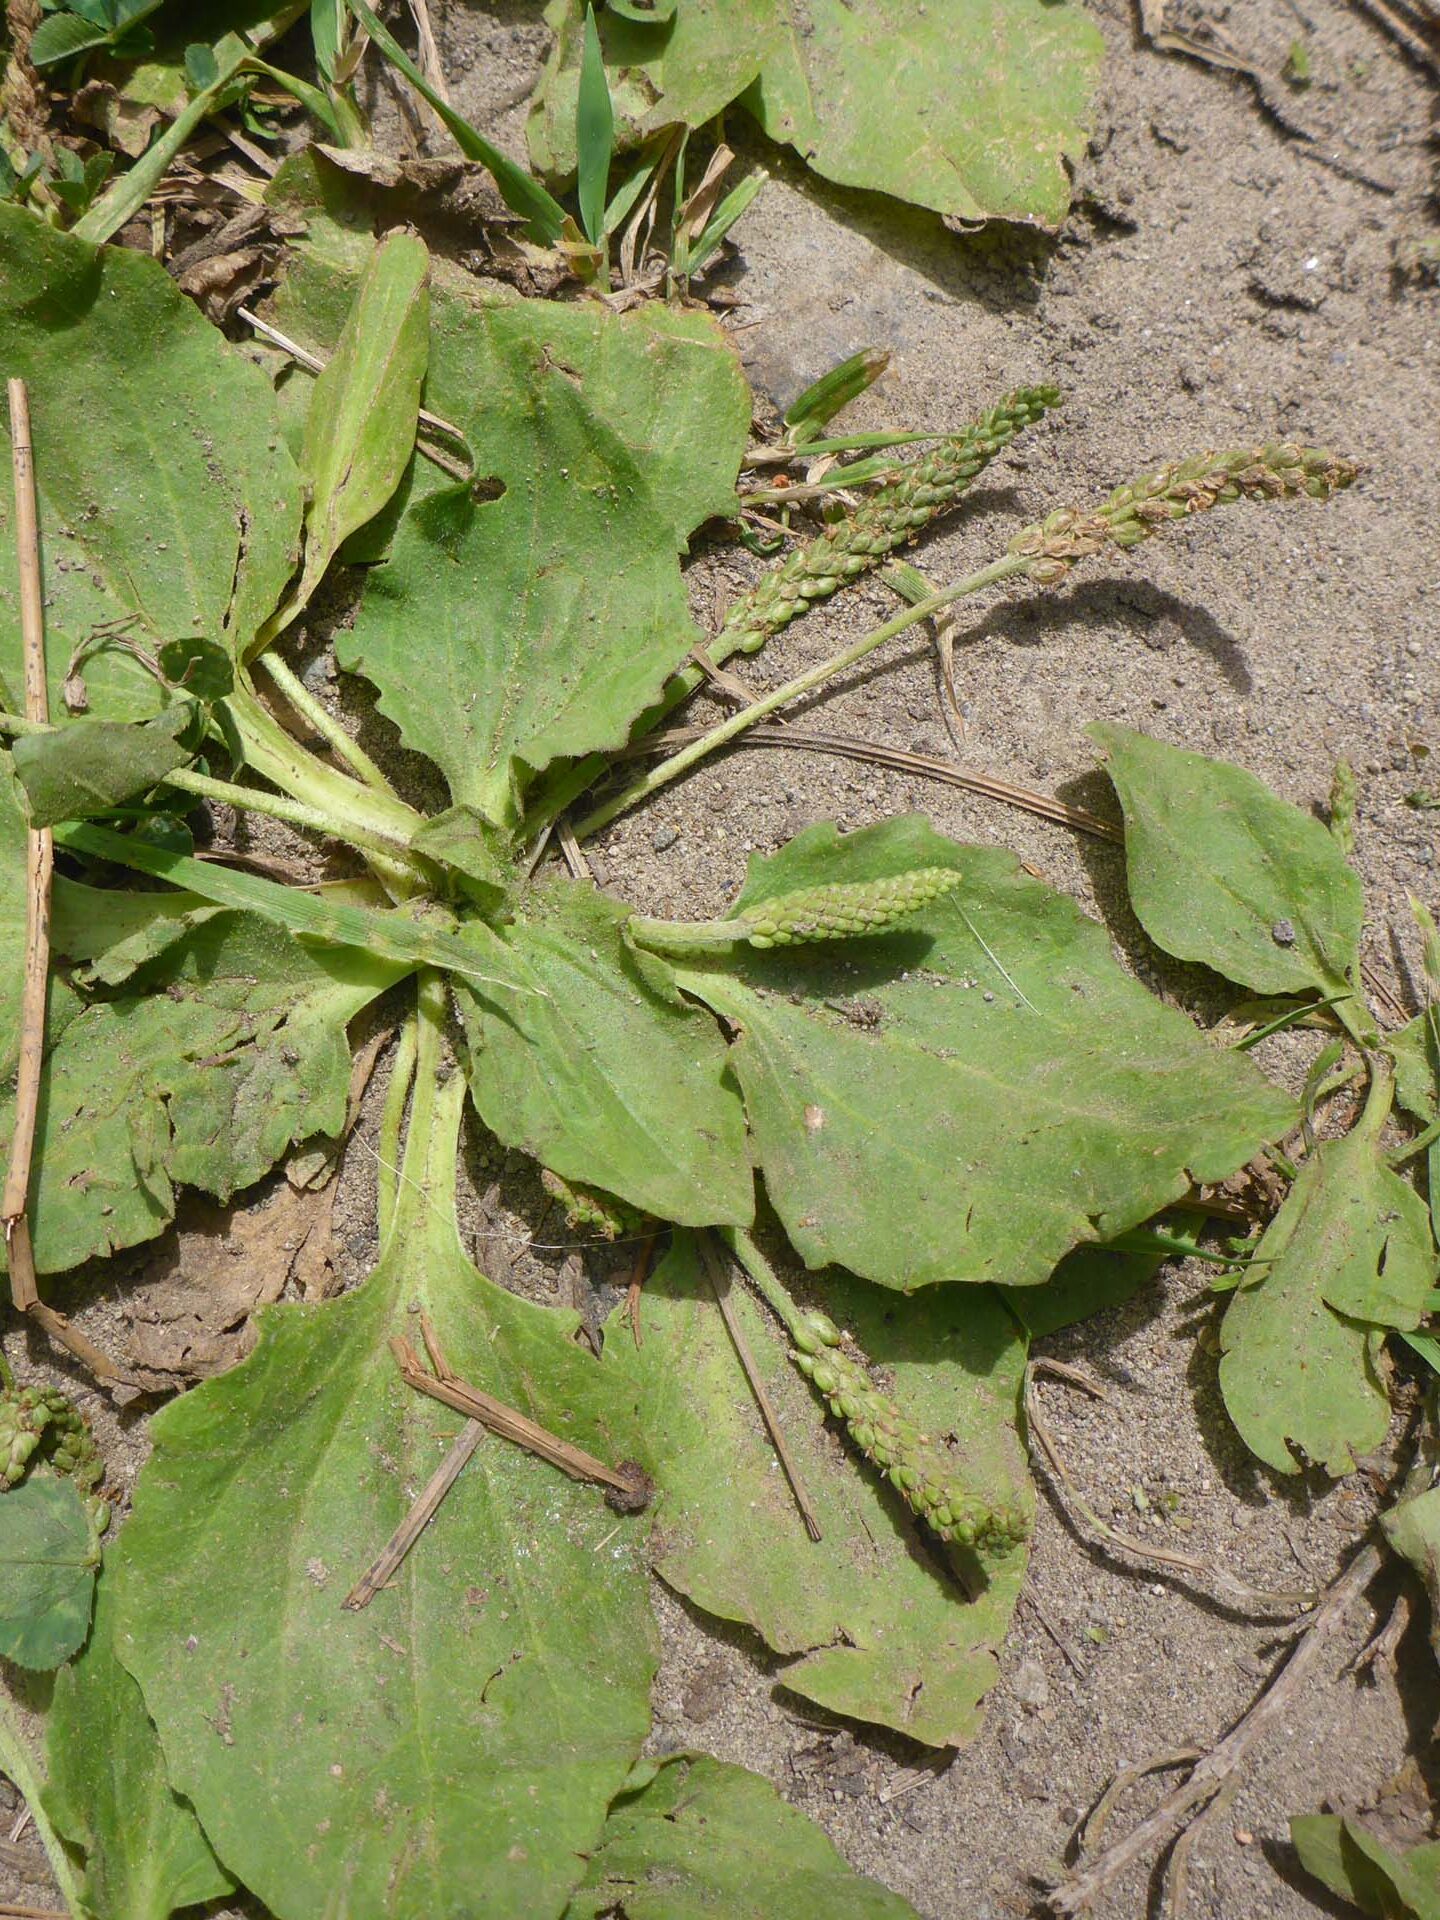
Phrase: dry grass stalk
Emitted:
{"points": [[720, 1286]]}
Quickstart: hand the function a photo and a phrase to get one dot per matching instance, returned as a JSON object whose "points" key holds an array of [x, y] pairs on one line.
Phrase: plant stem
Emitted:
{"points": [[767, 1282], [271, 751], [737, 723], [280, 807], [390, 847], [325, 723], [16, 1762], [392, 1118], [135, 186]]}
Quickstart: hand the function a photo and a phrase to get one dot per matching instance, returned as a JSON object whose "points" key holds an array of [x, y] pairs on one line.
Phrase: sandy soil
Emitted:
{"points": [[1216, 284]]}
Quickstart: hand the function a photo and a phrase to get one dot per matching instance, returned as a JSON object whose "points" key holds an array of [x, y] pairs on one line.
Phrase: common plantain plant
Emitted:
{"points": [[899, 1070]]}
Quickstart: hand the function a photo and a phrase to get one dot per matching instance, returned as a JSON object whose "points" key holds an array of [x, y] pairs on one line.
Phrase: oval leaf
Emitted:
{"points": [[48, 1558], [1221, 870]]}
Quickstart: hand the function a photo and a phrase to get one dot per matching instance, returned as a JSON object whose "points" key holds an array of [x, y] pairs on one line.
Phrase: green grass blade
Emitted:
{"points": [[724, 217], [520, 191], [594, 134], [389, 936]]}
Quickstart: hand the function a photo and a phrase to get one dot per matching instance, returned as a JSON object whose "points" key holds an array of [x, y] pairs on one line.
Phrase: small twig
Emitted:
{"points": [[638, 1274], [430, 65], [571, 852], [1212, 1774], [1402, 32], [926, 766], [387, 1562], [1214, 1580], [1067, 1652], [1093, 1824], [719, 1280], [1178, 1887], [39, 863], [519, 1427], [1381, 1646]]}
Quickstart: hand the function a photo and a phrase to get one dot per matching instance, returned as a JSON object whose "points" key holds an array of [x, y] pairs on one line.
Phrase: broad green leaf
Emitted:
{"points": [[1415, 1049], [1354, 1864], [971, 109], [167, 498], [48, 1558], [109, 1795], [229, 1048], [1413, 1529], [93, 766], [1089, 1281], [973, 1095], [451, 1749], [876, 1628], [613, 1079], [1221, 870], [360, 430], [113, 934], [547, 617], [691, 1838], [1348, 1253]]}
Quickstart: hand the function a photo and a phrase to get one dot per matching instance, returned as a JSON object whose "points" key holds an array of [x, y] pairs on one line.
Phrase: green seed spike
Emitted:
{"points": [[846, 910], [1280, 470], [920, 1471], [40, 1423], [603, 1213], [889, 519]]}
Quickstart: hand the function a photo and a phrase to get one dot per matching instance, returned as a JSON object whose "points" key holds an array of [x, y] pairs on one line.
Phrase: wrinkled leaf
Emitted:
{"points": [[877, 1628], [614, 1079], [973, 1095], [1358, 1867], [970, 109], [1223, 871], [693, 1839], [451, 1749], [48, 1558], [230, 1047], [109, 1795], [549, 616], [1349, 1252], [360, 430], [93, 766], [167, 497]]}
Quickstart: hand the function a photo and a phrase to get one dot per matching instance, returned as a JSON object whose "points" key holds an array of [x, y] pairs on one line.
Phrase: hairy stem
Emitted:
{"points": [[737, 723], [325, 723]]}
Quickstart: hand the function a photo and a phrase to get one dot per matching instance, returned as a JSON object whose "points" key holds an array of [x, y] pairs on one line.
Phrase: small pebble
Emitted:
{"points": [[1244, 1837], [665, 839]]}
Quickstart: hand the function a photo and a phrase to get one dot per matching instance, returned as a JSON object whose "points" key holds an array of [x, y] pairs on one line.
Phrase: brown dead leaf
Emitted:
{"points": [[193, 1317]]}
